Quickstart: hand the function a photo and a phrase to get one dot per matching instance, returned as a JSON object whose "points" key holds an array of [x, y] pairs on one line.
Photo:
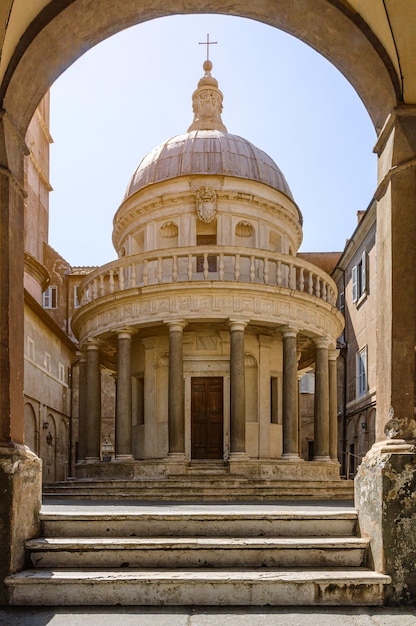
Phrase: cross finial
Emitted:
{"points": [[207, 43]]}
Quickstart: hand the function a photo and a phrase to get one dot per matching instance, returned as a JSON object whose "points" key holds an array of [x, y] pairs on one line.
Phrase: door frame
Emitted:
{"points": [[221, 370]]}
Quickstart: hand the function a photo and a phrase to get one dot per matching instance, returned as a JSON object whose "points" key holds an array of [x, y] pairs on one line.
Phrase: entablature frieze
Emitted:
{"points": [[136, 308]]}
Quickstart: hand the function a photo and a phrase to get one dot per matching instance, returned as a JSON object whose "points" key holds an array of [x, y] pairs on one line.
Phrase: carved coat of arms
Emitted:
{"points": [[206, 203]]}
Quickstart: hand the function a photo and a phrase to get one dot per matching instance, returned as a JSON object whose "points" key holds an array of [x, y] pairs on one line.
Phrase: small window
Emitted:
{"points": [[362, 372], [30, 349], [341, 301], [359, 278], [50, 297], [206, 240], [47, 362], [62, 371], [76, 297], [307, 383]]}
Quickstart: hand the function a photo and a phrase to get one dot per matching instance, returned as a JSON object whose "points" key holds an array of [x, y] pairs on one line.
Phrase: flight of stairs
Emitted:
{"points": [[205, 486], [197, 554]]}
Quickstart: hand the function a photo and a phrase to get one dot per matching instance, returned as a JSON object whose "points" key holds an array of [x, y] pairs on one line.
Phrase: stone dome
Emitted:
{"points": [[207, 148], [211, 152]]}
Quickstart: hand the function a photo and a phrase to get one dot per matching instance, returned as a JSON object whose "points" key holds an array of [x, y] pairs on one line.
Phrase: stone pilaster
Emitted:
{"points": [[265, 343], [20, 469], [333, 405], [321, 400], [290, 396], [385, 483], [237, 389], [176, 392], [93, 452], [124, 397]]}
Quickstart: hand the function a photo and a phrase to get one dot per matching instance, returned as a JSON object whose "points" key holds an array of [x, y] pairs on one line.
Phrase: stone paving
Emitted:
{"points": [[208, 616]]}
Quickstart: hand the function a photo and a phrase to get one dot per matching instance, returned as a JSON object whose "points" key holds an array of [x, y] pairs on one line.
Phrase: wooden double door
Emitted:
{"points": [[207, 418]]}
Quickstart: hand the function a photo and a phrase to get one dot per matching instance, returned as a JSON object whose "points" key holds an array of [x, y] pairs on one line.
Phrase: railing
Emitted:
{"points": [[208, 263]]}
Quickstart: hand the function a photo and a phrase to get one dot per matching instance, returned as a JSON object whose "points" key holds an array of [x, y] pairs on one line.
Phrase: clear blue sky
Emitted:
{"points": [[133, 91]]}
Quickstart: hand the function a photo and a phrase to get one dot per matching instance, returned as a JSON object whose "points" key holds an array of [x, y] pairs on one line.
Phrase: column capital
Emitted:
{"points": [[333, 354], [289, 331], [82, 356], [92, 344], [321, 342], [125, 333], [237, 324], [175, 325]]}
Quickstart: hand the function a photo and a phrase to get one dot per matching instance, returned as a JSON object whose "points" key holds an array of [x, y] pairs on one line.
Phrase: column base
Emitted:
{"points": [[239, 456], [288, 456], [326, 459], [123, 458], [385, 485]]}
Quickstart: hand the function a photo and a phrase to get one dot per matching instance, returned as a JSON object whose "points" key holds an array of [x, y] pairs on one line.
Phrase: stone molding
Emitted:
{"points": [[140, 307]]}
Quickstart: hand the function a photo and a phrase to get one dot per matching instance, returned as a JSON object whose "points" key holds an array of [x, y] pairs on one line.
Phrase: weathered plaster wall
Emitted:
{"points": [[390, 478]]}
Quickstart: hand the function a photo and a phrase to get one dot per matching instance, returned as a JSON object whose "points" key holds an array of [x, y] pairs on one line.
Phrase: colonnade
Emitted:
{"points": [[325, 407]]}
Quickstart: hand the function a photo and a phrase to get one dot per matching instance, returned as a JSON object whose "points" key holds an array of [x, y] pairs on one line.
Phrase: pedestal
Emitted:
{"points": [[385, 497], [20, 503]]}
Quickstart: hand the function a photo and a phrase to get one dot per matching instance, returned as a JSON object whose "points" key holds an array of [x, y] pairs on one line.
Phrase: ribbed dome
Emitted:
{"points": [[210, 152]]}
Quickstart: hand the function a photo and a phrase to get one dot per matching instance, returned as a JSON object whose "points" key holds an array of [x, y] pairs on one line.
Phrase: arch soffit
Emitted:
{"points": [[51, 44]]}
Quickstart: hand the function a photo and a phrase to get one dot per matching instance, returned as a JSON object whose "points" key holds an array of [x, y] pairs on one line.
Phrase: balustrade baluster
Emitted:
{"points": [[121, 278], [279, 273], [146, 272], [301, 279], [205, 266], [190, 267], [310, 283], [94, 289], [324, 290], [292, 276], [111, 282], [252, 269], [132, 275], [175, 268], [317, 287], [237, 267], [221, 272], [266, 271], [159, 270]]}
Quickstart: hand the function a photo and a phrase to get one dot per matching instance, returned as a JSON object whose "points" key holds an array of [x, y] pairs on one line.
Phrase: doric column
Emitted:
{"points": [[321, 400], [290, 396], [93, 452], [333, 405], [124, 397], [176, 394], [237, 388], [82, 409]]}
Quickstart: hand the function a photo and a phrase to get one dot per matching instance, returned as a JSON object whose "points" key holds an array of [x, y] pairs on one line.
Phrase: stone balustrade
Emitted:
{"points": [[208, 263]]}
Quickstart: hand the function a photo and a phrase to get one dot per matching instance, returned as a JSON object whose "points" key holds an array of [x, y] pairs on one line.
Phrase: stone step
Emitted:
{"points": [[256, 586], [194, 488], [165, 552], [185, 521]]}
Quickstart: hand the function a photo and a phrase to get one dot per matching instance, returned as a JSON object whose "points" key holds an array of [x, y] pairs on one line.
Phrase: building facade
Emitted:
{"points": [[356, 278]]}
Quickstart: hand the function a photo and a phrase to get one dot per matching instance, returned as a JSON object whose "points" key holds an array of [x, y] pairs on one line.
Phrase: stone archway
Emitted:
{"points": [[57, 36], [325, 25]]}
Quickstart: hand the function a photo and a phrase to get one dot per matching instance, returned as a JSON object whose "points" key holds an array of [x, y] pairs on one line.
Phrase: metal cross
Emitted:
{"points": [[207, 43]]}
